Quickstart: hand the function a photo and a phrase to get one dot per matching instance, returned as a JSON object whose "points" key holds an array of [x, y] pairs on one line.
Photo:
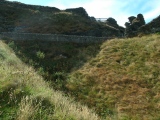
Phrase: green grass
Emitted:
{"points": [[24, 95], [119, 79], [123, 80]]}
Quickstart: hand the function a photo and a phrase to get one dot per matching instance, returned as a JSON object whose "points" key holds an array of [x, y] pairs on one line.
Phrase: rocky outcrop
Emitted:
{"points": [[133, 25], [151, 27], [80, 11], [112, 22]]}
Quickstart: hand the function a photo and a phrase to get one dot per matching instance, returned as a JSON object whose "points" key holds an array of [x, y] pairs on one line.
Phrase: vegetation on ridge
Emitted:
{"points": [[18, 17]]}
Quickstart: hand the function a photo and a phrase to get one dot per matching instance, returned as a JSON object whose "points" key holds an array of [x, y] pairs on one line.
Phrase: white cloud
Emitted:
{"points": [[62, 4], [99, 9], [118, 9], [153, 13], [106, 9]]}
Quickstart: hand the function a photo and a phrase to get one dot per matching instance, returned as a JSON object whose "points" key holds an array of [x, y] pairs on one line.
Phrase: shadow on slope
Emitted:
{"points": [[54, 60]]}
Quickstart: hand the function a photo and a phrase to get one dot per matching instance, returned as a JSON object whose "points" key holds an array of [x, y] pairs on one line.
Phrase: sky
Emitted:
{"points": [[120, 10]]}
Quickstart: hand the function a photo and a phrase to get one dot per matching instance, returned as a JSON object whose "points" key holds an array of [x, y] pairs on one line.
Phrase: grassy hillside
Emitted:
{"points": [[24, 95], [19, 17], [119, 78], [123, 80]]}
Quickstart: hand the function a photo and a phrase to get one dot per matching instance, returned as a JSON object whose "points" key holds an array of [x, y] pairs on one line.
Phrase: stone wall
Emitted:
{"points": [[52, 37]]}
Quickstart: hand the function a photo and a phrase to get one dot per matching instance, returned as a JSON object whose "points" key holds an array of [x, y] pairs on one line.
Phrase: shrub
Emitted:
{"points": [[40, 55]]}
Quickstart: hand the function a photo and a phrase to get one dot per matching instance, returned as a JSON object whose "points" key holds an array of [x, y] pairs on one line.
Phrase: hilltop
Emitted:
{"points": [[137, 26], [19, 17], [151, 27]]}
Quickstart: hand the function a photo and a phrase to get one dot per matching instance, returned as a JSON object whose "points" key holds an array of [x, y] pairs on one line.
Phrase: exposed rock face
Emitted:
{"points": [[111, 21], [121, 31], [133, 25], [131, 18], [113, 24], [151, 27], [137, 27], [141, 19], [81, 11]]}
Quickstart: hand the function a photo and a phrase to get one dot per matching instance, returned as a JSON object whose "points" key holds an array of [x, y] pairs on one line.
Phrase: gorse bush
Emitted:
{"points": [[40, 55]]}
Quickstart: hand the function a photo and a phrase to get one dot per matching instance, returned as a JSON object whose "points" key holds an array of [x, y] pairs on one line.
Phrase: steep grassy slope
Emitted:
{"points": [[123, 80], [24, 95]]}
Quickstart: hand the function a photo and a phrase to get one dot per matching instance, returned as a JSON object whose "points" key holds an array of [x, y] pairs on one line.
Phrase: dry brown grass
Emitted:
{"points": [[122, 80]]}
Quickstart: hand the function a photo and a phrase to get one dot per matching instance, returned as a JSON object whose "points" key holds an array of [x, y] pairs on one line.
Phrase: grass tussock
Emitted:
{"points": [[123, 80], [24, 95]]}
